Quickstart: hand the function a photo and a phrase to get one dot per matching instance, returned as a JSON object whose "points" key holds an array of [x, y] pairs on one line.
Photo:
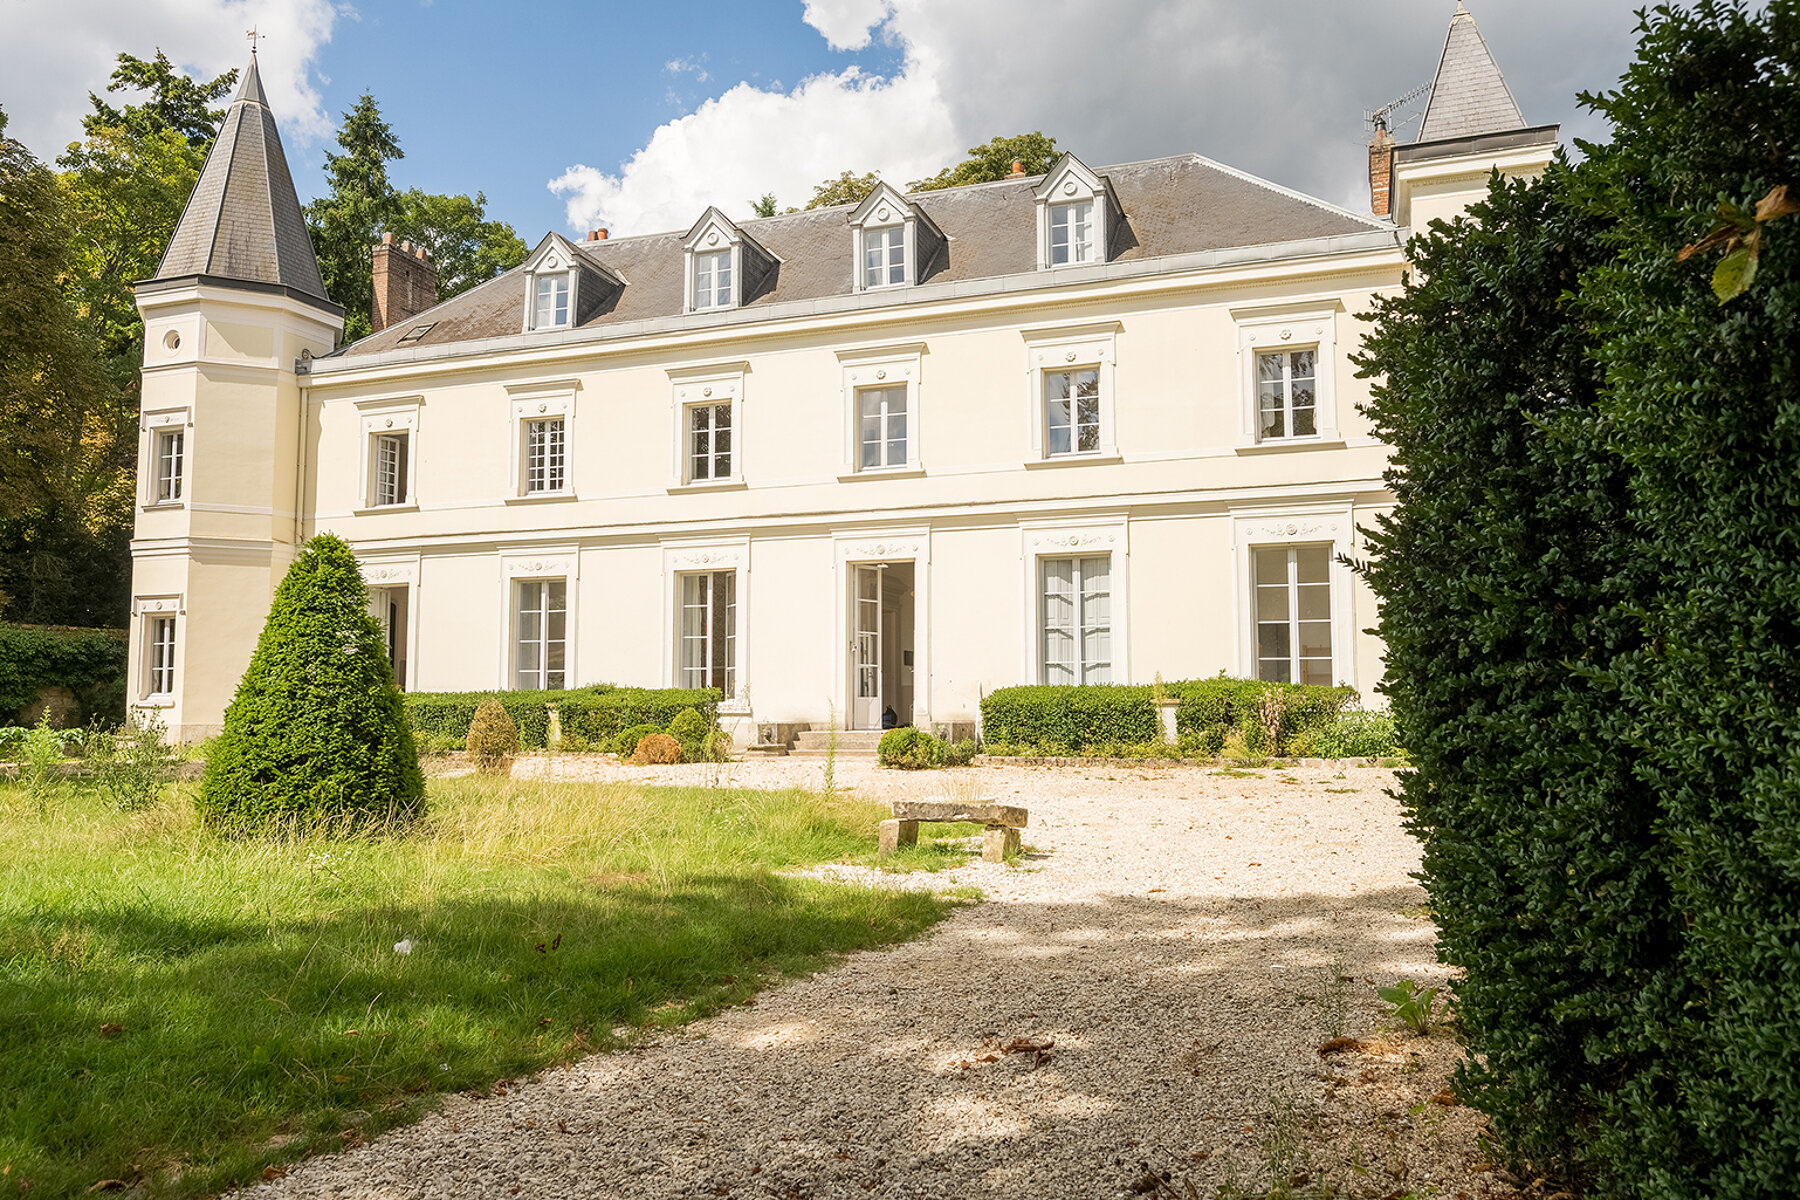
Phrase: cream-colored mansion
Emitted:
{"points": [[1083, 427]]}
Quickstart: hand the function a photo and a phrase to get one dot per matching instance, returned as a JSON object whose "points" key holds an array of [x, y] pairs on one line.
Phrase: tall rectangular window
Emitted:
{"points": [[1071, 233], [1287, 393], [552, 309], [546, 456], [884, 256], [712, 280], [1072, 411], [389, 469], [542, 624], [159, 656], [1077, 619], [881, 427], [1293, 614], [709, 631], [170, 448], [709, 442]]}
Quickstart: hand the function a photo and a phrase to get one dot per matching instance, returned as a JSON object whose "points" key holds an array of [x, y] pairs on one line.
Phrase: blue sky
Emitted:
{"points": [[642, 114]]}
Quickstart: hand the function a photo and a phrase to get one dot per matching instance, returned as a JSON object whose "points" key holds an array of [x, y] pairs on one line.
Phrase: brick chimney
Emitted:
{"points": [[1381, 172], [596, 235], [405, 283], [1018, 167]]}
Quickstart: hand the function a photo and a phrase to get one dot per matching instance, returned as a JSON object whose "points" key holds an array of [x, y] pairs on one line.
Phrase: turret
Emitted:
{"points": [[236, 304], [1472, 127]]}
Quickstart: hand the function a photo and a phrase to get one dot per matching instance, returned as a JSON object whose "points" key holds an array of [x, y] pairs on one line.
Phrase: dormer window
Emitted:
{"points": [[712, 280], [1076, 213], [893, 241], [884, 256], [725, 266], [563, 286], [552, 302], [1071, 233]]}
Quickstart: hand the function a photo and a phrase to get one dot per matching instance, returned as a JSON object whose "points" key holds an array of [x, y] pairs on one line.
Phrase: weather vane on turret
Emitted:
{"points": [[254, 37]]}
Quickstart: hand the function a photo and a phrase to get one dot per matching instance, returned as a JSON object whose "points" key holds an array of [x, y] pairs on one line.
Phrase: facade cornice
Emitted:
{"points": [[851, 315]]}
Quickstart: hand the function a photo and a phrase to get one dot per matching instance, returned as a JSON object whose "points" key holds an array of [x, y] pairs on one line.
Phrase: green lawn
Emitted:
{"points": [[177, 1011]]}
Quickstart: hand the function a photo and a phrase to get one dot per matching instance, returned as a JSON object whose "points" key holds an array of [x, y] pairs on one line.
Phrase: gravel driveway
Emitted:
{"points": [[1156, 963]]}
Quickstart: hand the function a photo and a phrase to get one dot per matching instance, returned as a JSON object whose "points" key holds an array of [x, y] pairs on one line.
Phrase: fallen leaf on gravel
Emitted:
{"points": [[271, 1173], [1446, 1097], [989, 1058], [1021, 1045], [1340, 1045]]}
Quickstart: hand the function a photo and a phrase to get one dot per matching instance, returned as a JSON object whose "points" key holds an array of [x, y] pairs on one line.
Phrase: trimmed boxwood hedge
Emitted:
{"points": [[89, 662], [589, 716], [1080, 720]]}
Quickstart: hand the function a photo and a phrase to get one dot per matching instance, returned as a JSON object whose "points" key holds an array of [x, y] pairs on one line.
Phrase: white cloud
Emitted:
{"points": [[749, 141], [55, 52], [1279, 94], [691, 65], [847, 24]]}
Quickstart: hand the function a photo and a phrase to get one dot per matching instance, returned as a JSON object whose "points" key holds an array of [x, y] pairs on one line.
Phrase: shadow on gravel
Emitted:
{"points": [[1171, 1022]]}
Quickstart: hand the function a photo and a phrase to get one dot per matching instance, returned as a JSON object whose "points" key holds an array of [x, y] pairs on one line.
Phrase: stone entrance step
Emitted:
{"points": [[851, 743]]}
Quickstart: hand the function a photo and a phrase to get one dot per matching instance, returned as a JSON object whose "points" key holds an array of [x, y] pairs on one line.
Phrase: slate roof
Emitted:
{"points": [[1470, 95], [243, 219], [1171, 206]]}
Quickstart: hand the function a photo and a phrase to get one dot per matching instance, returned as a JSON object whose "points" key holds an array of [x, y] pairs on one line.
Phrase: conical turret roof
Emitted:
{"points": [[243, 220], [1470, 95]]}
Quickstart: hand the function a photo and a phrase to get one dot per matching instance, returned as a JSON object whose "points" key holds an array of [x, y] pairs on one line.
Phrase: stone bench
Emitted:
{"points": [[1003, 822]]}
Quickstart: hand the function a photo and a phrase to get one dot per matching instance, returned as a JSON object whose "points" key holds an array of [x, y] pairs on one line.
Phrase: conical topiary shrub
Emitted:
{"points": [[316, 732]]}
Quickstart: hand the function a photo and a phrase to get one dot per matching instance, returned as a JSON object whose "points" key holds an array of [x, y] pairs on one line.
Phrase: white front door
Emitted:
{"points": [[865, 667]]}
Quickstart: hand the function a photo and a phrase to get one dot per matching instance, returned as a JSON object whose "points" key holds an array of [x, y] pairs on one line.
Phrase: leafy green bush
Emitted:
{"points": [[690, 729], [1357, 735], [493, 738], [1096, 719], [590, 716], [130, 765], [961, 753], [910, 749], [91, 663], [715, 747], [316, 731], [625, 744], [1588, 601], [40, 760]]}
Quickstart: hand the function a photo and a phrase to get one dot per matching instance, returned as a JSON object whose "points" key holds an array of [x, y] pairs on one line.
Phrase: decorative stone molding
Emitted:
{"points": [[145, 606]]}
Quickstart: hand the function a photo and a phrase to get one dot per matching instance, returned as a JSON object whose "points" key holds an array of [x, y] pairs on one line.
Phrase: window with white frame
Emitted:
{"points": [[388, 469], [712, 280], [881, 421], [545, 468], [541, 625], [171, 446], [1293, 614], [709, 442], [159, 656], [708, 632], [1286, 393], [1072, 233], [884, 256], [1072, 411], [1076, 619], [551, 305]]}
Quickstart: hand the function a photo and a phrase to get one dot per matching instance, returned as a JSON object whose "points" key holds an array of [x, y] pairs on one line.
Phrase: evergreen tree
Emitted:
{"points": [[316, 731], [176, 101], [359, 204]]}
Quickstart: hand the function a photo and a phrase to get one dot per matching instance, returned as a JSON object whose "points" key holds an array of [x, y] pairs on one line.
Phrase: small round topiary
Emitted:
{"points": [[493, 738], [626, 744], [657, 749], [690, 729], [910, 749]]}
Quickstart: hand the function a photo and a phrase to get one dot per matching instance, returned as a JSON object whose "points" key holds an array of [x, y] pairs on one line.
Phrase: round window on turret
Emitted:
{"points": [[172, 340]]}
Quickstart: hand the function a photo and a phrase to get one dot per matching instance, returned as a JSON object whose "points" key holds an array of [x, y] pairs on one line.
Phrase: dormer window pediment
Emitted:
{"points": [[1076, 214], [724, 265], [893, 242]]}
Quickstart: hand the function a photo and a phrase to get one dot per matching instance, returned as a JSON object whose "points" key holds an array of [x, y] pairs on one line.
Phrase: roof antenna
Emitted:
{"points": [[1379, 118]]}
